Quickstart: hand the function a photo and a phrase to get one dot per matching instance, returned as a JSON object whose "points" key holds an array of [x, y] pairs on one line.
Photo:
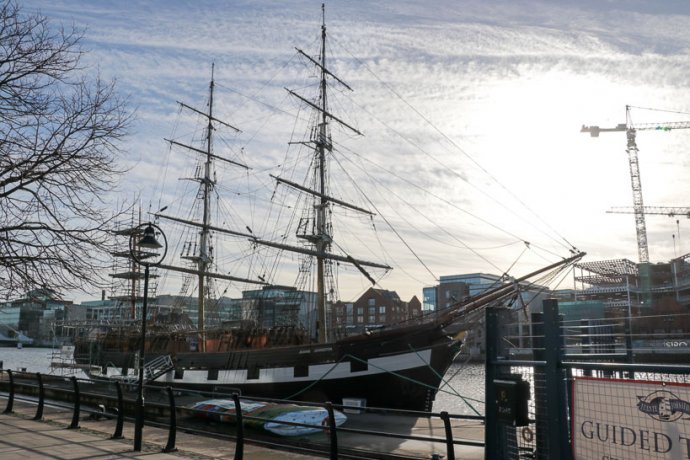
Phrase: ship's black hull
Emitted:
{"points": [[392, 369], [411, 389]]}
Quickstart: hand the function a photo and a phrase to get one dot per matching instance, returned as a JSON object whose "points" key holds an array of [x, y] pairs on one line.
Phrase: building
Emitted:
{"points": [[9, 315], [453, 289], [274, 306], [630, 288], [652, 301], [36, 314], [375, 308], [271, 306]]}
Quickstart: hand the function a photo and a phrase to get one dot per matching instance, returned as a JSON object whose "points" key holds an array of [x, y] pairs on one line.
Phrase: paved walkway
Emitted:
{"points": [[23, 438]]}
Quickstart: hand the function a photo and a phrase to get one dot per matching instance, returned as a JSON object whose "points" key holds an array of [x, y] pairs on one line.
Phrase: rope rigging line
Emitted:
{"points": [[260, 90], [391, 227], [396, 374], [277, 216], [458, 148], [543, 281], [511, 210], [400, 267], [445, 382], [457, 371], [473, 250], [375, 282], [335, 158], [426, 191], [292, 396], [517, 258]]}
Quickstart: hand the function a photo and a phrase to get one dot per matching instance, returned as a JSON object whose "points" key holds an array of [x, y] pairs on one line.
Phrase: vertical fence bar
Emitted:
{"points": [[556, 387], [10, 398], [332, 433], [41, 397], [540, 397], [77, 408], [628, 343], [450, 448], [172, 432], [120, 413], [491, 434], [586, 341], [239, 442]]}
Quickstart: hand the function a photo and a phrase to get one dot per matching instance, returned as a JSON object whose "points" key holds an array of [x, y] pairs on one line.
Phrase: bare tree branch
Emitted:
{"points": [[59, 145]]}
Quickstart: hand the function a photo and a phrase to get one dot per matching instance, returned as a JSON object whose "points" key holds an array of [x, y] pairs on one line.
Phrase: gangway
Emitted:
{"points": [[157, 367]]}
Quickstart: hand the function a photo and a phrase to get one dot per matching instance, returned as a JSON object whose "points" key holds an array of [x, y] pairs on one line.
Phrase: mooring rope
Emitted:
{"points": [[445, 382], [318, 380], [425, 385]]}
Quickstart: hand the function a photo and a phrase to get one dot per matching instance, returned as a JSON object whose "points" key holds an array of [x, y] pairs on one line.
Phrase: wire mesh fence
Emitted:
{"points": [[599, 388]]}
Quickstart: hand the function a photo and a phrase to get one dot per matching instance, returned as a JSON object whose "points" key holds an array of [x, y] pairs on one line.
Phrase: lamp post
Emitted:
{"points": [[143, 248]]}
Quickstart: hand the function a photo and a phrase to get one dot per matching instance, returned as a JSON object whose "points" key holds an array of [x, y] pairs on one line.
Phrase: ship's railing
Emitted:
{"points": [[365, 430]]}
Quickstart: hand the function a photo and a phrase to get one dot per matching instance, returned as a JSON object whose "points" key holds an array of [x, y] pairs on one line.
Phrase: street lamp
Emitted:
{"points": [[143, 248]]}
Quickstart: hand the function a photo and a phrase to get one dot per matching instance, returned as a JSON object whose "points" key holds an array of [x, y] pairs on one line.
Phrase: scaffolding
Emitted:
{"points": [[618, 283]]}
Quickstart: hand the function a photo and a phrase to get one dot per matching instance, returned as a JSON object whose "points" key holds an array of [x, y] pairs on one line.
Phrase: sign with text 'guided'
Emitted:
{"points": [[615, 419]]}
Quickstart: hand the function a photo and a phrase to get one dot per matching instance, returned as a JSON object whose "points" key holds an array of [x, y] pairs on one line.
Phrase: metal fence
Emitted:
{"points": [[580, 389], [173, 410], [595, 389]]}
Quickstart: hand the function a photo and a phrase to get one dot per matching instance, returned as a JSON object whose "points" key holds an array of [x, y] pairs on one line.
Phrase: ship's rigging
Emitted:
{"points": [[201, 257], [314, 229], [317, 229], [317, 245], [280, 360]]}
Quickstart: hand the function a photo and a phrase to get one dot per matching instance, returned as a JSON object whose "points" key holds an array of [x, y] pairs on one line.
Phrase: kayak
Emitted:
{"points": [[272, 415]]}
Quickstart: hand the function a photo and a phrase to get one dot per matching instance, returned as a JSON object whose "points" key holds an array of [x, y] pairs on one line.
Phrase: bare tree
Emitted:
{"points": [[59, 137]]}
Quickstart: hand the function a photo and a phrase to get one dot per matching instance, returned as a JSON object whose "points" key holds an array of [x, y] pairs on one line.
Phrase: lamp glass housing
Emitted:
{"points": [[149, 240]]}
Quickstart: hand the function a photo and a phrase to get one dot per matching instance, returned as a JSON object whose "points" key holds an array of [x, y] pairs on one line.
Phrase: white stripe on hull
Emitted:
{"points": [[329, 371]]}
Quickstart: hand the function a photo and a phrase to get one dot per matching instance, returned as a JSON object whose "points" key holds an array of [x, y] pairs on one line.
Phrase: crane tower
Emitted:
{"points": [[638, 205]]}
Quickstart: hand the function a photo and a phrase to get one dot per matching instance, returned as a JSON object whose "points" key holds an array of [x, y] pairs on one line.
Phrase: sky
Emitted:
{"points": [[470, 113]]}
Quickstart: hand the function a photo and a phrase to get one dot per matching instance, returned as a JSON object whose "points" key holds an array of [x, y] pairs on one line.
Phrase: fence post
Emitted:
{"points": [[332, 431], [170, 447], [629, 344], [77, 408], [41, 397], [450, 448], [555, 383], [540, 402], [10, 398], [120, 413], [239, 442], [491, 448]]}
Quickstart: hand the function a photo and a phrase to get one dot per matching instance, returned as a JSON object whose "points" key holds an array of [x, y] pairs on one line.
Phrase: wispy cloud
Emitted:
{"points": [[488, 97]]}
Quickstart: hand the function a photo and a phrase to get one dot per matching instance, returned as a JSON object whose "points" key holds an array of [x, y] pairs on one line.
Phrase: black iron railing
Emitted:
{"points": [[108, 398]]}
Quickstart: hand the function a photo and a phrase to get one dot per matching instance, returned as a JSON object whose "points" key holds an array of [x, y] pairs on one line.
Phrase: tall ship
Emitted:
{"points": [[301, 355]]}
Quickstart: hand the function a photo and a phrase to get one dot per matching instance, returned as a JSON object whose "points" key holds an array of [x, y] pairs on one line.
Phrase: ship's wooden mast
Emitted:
{"points": [[204, 250], [204, 259], [323, 239]]}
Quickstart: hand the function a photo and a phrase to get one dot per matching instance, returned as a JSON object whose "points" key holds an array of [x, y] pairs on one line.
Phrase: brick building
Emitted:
{"points": [[374, 308]]}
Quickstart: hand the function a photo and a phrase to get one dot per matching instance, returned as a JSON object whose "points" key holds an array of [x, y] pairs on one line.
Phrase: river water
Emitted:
{"points": [[463, 392]]}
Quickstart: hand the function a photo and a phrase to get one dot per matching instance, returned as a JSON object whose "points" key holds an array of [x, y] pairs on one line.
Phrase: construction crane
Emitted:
{"points": [[638, 205], [670, 211]]}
